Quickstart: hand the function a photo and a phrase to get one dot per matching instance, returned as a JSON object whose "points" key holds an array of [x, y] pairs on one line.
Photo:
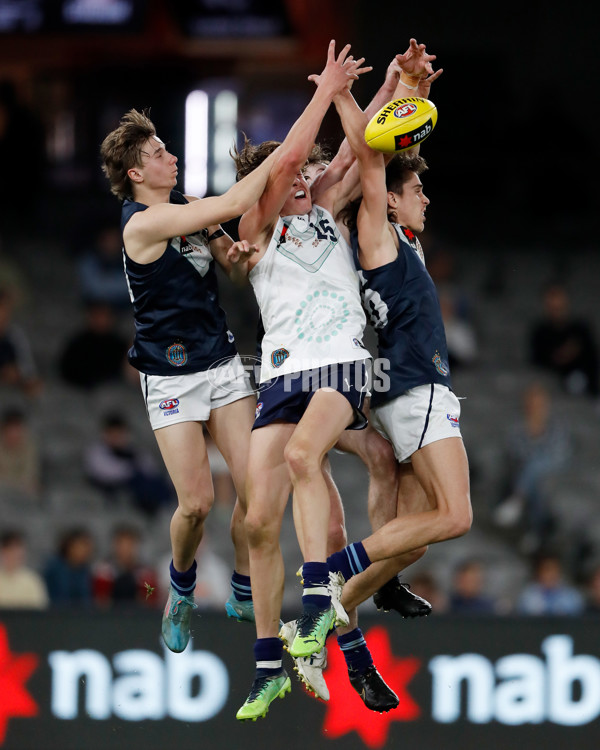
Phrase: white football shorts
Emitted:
{"points": [[191, 398], [418, 417]]}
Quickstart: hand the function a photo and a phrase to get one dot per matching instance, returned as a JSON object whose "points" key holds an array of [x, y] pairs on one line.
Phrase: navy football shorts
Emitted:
{"points": [[286, 398]]}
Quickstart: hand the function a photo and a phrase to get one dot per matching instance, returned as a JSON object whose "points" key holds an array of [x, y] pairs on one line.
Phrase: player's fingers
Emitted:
{"points": [[343, 53]]}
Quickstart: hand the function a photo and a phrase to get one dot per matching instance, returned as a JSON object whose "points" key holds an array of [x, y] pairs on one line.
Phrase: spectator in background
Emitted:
{"points": [[124, 578], [538, 449], [17, 367], [95, 355], [548, 593], [115, 465], [101, 273], [564, 344], [20, 466], [424, 584], [467, 596], [460, 334], [68, 573], [20, 586]]}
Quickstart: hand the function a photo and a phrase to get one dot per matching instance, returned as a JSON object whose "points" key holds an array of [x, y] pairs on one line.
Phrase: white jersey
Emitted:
{"points": [[307, 289]]}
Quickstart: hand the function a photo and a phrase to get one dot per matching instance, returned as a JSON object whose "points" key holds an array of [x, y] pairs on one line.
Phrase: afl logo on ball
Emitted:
{"points": [[168, 404], [177, 354], [406, 110]]}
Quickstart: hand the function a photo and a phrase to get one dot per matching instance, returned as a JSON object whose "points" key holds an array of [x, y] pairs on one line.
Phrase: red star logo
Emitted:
{"points": [[346, 711], [14, 673], [405, 141], [408, 233]]}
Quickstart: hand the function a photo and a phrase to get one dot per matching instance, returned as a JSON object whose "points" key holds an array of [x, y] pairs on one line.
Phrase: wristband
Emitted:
{"points": [[216, 234], [411, 82]]}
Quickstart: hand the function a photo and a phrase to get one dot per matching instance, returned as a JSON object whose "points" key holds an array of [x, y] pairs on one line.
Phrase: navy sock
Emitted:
{"points": [[268, 653], [184, 583], [316, 594], [350, 561], [240, 585], [355, 650]]}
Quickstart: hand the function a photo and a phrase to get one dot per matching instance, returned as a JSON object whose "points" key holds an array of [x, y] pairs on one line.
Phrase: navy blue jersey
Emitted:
{"points": [[179, 326], [402, 305]]}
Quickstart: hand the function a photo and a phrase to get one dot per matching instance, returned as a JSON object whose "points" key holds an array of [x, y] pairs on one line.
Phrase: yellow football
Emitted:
{"points": [[401, 124]]}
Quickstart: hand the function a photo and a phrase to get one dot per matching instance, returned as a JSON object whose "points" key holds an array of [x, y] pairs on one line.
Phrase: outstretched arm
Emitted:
{"points": [[344, 158], [376, 244], [298, 143], [147, 231], [405, 74]]}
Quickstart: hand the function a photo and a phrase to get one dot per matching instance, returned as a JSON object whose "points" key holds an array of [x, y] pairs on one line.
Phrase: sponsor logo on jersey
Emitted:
{"points": [[230, 337], [279, 356], [439, 364], [259, 407], [185, 247], [453, 419], [168, 404], [177, 354], [405, 110]]}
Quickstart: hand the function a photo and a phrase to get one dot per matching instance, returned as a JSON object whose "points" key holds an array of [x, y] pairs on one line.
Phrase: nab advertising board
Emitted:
{"points": [[75, 681]]}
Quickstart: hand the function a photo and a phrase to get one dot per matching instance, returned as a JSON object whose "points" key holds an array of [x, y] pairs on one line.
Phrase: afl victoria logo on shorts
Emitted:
{"points": [[168, 404], [279, 356], [177, 354]]}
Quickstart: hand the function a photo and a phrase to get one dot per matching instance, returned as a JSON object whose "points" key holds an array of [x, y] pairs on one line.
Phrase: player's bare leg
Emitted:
{"points": [[442, 470], [230, 427], [268, 486], [393, 491], [184, 452]]}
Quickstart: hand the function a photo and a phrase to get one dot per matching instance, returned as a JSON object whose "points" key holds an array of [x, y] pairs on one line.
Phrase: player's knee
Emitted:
{"points": [[460, 520], [195, 507], [301, 460], [380, 456], [416, 555], [260, 528]]}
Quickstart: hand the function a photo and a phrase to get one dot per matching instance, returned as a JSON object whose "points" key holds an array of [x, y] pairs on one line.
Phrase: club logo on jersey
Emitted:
{"points": [[279, 356], [177, 354], [453, 420], [168, 404], [406, 110], [357, 343], [439, 364], [259, 407]]}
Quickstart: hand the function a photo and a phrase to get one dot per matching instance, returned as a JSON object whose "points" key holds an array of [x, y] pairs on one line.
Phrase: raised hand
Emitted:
{"points": [[416, 61], [339, 73]]}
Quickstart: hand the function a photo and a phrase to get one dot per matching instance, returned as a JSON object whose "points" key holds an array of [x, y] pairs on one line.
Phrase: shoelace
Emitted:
{"points": [[308, 621], [258, 686]]}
